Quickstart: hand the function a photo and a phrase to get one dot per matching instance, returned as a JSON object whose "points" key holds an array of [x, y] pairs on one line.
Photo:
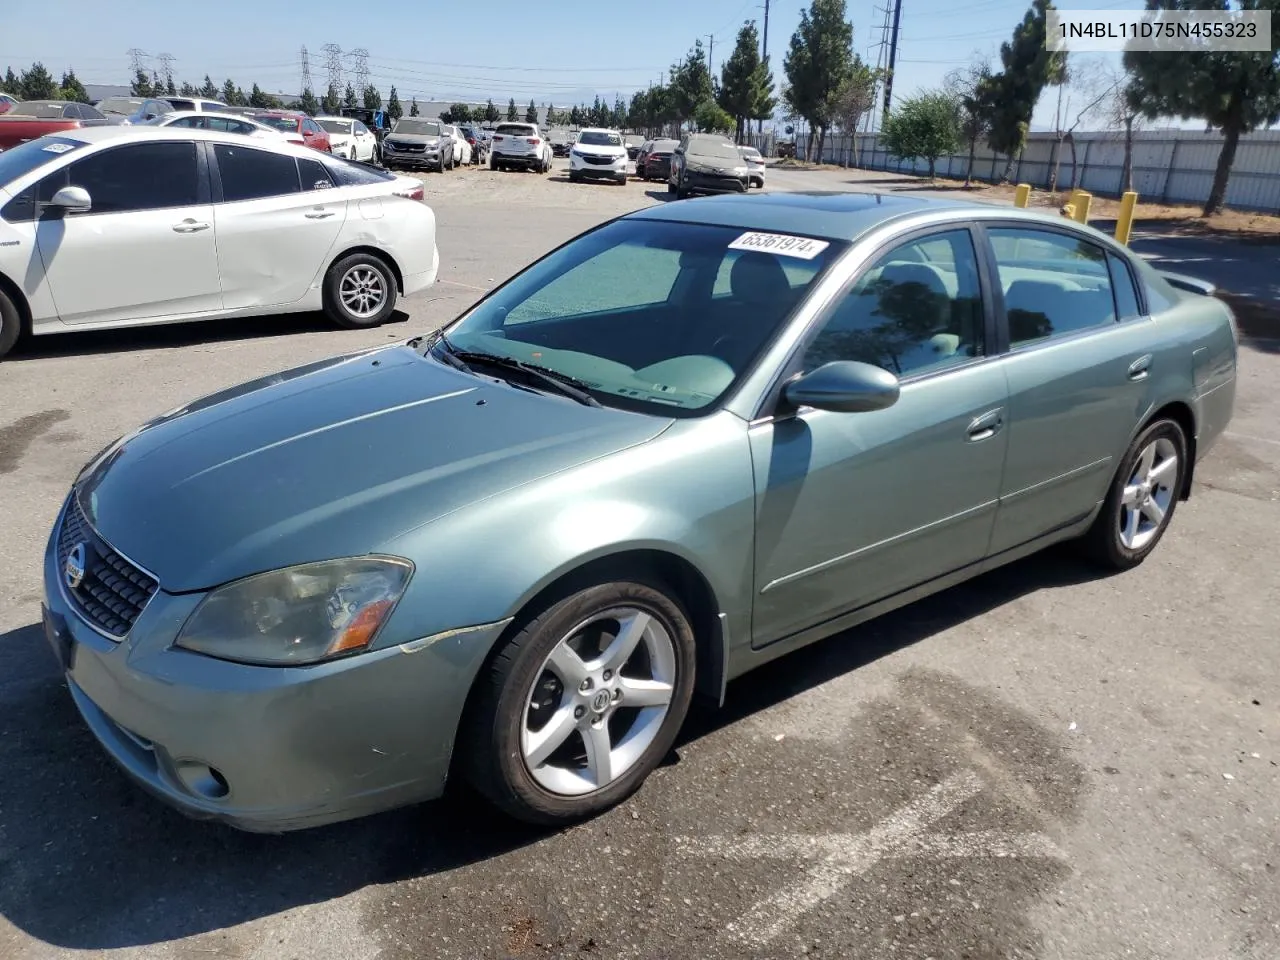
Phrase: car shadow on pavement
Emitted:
{"points": [[170, 335], [88, 861]]}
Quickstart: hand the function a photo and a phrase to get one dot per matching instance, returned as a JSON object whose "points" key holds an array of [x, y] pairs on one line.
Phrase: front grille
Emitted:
{"points": [[602, 161], [400, 145], [114, 591]]}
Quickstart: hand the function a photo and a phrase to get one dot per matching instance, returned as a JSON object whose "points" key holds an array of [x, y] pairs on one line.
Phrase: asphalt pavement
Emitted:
{"points": [[1042, 763]]}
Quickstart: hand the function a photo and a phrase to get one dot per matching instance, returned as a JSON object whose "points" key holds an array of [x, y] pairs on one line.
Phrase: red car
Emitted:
{"points": [[6, 102], [34, 118], [287, 121]]}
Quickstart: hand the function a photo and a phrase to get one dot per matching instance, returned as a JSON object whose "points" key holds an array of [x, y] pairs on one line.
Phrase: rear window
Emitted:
{"points": [[515, 129], [350, 173], [663, 146], [181, 104], [336, 126], [40, 109], [123, 105], [286, 124]]}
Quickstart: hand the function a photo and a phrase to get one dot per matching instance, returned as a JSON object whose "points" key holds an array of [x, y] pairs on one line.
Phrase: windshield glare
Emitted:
{"points": [[335, 126], [25, 157], [652, 316], [418, 128], [594, 138], [717, 149]]}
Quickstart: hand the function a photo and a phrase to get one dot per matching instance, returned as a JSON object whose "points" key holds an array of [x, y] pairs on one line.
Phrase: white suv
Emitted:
{"points": [[598, 153], [519, 145]]}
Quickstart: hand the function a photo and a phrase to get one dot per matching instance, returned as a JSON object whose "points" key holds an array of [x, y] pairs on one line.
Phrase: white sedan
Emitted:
{"points": [[350, 138], [461, 148], [224, 123], [221, 226]]}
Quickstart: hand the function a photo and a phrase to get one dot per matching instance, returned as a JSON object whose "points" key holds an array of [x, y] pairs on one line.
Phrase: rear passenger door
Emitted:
{"points": [[276, 220], [1079, 368]]}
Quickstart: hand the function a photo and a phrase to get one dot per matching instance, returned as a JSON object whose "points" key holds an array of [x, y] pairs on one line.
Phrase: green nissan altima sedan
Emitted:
{"points": [[685, 443]]}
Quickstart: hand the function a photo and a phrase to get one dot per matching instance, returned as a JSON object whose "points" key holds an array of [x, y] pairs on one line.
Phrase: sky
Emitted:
{"points": [[561, 52]]}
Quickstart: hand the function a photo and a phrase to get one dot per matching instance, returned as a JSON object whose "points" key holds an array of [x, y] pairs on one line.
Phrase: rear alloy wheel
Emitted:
{"points": [[582, 704], [1142, 498], [10, 324], [359, 291]]}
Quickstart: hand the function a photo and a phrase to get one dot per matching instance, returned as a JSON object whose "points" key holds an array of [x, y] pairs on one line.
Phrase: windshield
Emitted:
{"points": [[124, 105], [713, 148], [650, 315], [599, 138], [25, 157], [418, 128], [287, 124], [336, 126]]}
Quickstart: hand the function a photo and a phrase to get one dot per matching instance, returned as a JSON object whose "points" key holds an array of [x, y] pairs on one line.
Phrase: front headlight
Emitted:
{"points": [[298, 615]]}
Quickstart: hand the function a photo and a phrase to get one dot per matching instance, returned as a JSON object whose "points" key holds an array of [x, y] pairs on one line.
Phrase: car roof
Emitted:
{"points": [[142, 132], [330, 116]]}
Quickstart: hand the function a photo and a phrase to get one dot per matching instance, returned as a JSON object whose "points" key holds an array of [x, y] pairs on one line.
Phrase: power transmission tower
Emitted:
{"points": [[306, 69], [893, 54], [881, 58], [138, 60], [166, 67], [333, 64], [361, 68]]}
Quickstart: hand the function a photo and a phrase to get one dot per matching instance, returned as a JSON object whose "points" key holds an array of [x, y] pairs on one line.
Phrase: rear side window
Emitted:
{"points": [[1126, 295], [138, 176], [346, 173], [314, 176], [249, 174], [1054, 284]]}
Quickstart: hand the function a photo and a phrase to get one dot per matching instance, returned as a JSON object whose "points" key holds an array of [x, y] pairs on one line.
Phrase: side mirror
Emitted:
{"points": [[844, 386], [70, 200]]}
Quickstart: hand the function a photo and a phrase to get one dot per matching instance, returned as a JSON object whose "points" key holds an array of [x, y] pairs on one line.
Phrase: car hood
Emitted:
{"points": [[415, 138], [331, 459]]}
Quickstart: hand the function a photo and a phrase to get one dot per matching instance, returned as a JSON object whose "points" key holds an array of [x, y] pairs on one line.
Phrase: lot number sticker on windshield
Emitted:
{"points": [[780, 243], [57, 148]]}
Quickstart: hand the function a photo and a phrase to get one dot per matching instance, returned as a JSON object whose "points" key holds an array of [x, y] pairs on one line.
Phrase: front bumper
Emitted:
{"points": [[292, 747], [428, 158], [585, 168], [699, 182]]}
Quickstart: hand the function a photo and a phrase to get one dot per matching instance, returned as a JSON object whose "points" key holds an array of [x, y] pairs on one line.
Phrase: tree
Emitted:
{"points": [[413, 107], [575, 116], [141, 85], [854, 99], [207, 90], [37, 83], [710, 117], [229, 93], [308, 103], [1028, 67], [72, 88], [531, 113], [457, 113], [819, 61], [490, 112], [257, 98], [511, 109], [1084, 88], [1234, 93], [242, 98], [971, 86], [170, 89], [189, 90], [157, 85], [924, 127], [395, 110], [11, 84], [349, 99], [690, 84], [372, 98], [746, 85], [1120, 111], [331, 102]]}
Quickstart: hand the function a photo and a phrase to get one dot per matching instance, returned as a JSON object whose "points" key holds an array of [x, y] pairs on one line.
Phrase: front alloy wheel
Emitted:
{"points": [[582, 703]]}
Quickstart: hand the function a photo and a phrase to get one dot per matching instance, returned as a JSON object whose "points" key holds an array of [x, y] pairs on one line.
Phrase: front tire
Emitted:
{"points": [[1143, 496], [10, 324], [580, 705], [359, 291]]}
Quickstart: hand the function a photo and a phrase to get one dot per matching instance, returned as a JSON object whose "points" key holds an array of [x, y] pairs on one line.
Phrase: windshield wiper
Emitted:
{"points": [[561, 383]]}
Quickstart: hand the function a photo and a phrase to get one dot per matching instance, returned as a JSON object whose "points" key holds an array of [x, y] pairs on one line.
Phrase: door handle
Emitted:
{"points": [[318, 214], [1139, 369], [987, 425], [190, 226]]}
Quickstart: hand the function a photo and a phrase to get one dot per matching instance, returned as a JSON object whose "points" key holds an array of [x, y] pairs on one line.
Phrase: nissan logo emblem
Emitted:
{"points": [[73, 569]]}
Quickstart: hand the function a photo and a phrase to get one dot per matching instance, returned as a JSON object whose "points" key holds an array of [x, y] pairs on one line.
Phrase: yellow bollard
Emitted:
{"points": [[1081, 206], [1124, 223], [1022, 195]]}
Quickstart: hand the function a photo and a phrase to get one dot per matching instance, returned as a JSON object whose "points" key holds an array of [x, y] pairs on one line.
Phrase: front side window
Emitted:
{"points": [[917, 309], [123, 179], [249, 174], [1054, 284], [656, 316]]}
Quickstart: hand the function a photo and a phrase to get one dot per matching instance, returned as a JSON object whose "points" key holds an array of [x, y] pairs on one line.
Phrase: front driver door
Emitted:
{"points": [[855, 507], [146, 248]]}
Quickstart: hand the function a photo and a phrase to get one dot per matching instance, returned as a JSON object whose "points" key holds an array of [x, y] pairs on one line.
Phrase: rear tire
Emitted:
{"points": [[359, 291], [560, 777], [1143, 496], [10, 324]]}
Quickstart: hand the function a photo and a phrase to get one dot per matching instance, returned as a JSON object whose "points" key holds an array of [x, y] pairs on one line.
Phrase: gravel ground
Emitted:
{"points": [[1040, 763]]}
